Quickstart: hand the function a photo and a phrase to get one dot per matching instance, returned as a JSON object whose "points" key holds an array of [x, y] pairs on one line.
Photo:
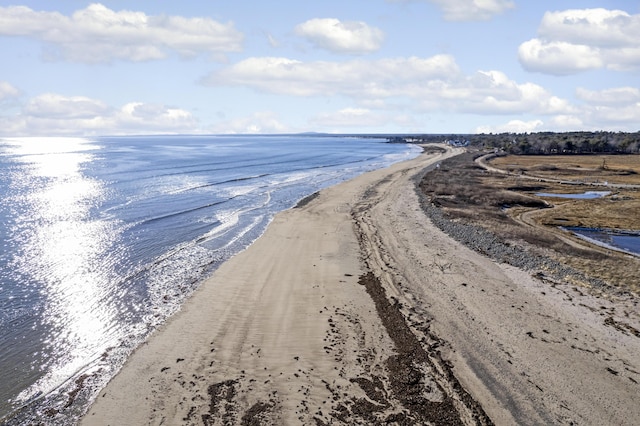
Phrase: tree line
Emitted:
{"points": [[545, 143]]}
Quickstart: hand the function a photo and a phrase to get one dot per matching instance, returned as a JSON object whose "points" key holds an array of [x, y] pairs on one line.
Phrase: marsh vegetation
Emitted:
{"points": [[502, 199]]}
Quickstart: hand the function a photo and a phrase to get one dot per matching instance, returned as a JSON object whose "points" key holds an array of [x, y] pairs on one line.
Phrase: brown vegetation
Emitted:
{"points": [[507, 205], [613, 169], [616, 211]]}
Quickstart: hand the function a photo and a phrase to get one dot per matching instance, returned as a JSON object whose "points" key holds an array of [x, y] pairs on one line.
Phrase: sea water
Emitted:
{"points": [[102, 239]]}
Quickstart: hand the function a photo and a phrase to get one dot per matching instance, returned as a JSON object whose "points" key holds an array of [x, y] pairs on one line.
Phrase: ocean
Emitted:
{"points": [[102, 239]]}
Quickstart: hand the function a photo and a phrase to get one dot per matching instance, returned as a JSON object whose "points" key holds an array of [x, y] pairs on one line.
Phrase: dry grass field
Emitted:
{"points": [[506, 204], [619, 210], [614, 169]]}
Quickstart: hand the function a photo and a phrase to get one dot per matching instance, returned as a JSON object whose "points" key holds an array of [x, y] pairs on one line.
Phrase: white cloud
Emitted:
{"points": [[577, 40], [613, 109], [594, 27], [352, 37], [492, 92], [468, 10], [472, 10], [627, 116], [558, 57], [54, 114], [608, 118], [56, 106], [263, 122], [371, 79], [144, 117], [567, 123], [421, 84], [611, 97], [513, 126], [617, 107], [7, 91], [99, 34], [349, 118]]}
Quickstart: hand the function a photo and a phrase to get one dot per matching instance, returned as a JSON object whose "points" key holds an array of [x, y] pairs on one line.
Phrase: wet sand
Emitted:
{"points": [[354, 309]]}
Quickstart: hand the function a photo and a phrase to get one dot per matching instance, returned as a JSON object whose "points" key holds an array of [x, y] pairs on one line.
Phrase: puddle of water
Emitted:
{"points": [[588, 195]]}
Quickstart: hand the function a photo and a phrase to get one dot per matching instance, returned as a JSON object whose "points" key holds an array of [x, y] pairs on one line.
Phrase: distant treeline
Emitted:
{"points": [[547, 142]]}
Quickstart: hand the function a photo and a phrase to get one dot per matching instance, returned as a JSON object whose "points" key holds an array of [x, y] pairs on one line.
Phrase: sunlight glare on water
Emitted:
{"points": [[102, 240], [64, 253]]}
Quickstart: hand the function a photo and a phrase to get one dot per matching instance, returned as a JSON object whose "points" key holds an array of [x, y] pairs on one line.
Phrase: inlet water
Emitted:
{"points": [[627, 241]]}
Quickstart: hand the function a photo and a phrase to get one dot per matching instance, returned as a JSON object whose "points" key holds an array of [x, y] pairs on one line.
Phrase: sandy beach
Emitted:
{"points": [[354, 309]]}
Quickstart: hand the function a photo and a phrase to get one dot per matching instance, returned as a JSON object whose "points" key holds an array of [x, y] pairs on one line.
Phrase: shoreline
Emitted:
{"points": [[290, 332]]}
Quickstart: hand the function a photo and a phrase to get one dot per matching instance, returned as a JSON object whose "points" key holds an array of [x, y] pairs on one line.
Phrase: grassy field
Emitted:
{"points": [[619, 210], [507, 205], [614, 169]]}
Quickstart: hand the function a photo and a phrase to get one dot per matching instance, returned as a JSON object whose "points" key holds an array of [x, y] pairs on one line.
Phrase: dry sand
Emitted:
{"points": [[354, 309]]}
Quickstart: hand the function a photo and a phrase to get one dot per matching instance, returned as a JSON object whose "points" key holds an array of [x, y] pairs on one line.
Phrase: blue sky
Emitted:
{"points": [[72, 67]]}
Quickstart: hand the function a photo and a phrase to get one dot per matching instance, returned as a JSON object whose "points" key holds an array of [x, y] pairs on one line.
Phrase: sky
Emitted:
{"points": [[76, 68]]}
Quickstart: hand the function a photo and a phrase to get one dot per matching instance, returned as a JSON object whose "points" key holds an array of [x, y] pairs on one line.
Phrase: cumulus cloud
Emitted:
{"points": [[430, 84], [558, 57], [351, 37], [492, 92], [513, 126], [98, 34], [612, 109], [595, 27], [371, 79], [468, 10], [56, 106], [577, 40], [55, 114]]}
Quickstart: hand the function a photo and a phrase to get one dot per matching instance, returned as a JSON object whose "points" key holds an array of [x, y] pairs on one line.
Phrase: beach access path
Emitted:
{"points": [[354, 309]]}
